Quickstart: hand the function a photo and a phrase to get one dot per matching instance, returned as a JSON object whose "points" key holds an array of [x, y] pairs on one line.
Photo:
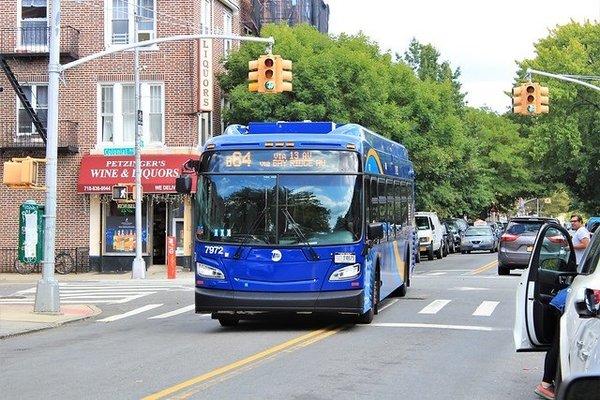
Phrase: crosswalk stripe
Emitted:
{"points": [[175, 312], [486, 308], [136, 311], [434, 307]]}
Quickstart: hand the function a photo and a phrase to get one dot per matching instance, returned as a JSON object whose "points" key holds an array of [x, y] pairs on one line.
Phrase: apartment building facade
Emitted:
{"points": [[256, 13], [181, 108]]}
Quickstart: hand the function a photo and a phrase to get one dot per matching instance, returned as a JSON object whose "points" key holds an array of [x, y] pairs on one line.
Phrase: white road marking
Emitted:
{"points": [[140, 310], [175, 312], [391, 303], [486, 308], [435, 274], [435, 326], [468, 288], [434, 307]]}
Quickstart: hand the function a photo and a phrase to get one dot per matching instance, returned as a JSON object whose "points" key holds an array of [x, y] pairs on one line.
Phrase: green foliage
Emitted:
{"points": [[465, 159], [564, 143]]}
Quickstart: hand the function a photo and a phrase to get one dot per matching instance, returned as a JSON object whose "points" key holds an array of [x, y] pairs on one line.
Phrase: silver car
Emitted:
{"points": [[517, 241], [478, 238]]}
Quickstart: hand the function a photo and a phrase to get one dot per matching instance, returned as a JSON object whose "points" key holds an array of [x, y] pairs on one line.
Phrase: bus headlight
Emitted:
{"points": [[207, 271], [348, 272]]}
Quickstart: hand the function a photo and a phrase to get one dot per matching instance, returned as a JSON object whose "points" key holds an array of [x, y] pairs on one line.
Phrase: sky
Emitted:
{"points": [[484, 38]]}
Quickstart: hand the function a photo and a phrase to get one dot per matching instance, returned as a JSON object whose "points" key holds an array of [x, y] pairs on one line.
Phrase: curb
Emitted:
{"points": [[51, 325]]}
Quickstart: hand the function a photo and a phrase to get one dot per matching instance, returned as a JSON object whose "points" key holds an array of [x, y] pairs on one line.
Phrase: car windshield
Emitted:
{"points": [[282, 210], [525, 228], [478, 232], [422, 223]]}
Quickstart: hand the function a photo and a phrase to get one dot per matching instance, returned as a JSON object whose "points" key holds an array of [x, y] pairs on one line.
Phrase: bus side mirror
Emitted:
{"points": [[183, 184], [375, 231]]}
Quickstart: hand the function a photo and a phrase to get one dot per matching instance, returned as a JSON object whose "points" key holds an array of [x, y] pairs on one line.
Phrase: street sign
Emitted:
{"points": [[31, 232], [119, 151], [140, 117]]}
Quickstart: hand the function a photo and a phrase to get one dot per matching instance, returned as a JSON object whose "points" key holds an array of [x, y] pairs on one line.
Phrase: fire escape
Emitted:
{"points": [[30, 44]]}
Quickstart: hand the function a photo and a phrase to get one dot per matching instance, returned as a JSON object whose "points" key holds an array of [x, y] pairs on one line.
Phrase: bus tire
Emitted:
{"points": [[228, 321], [367, 318]]}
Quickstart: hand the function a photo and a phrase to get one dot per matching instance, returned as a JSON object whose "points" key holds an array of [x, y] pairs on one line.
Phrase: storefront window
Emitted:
{"points": [[177, 209], [119, 228]]}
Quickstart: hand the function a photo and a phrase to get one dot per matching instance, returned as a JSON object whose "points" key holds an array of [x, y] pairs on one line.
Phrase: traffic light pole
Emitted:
{"points": [[560, 77], [47, 299]]}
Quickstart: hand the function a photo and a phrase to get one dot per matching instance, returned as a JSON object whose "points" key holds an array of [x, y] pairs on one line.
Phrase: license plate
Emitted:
{"points": [[530, 248], [475, 245], [344, 258]]}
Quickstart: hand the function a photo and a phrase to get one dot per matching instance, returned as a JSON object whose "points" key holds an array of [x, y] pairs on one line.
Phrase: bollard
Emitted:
{"points": [[171, 257]]}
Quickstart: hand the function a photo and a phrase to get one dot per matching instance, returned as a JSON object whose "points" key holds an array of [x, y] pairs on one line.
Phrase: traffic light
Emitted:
{"points": [[269, 74], [530, 99], [22, 173], [283, 73]]}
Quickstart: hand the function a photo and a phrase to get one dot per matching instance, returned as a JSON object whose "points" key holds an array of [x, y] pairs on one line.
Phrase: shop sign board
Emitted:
{"points": [[98, 174], [31, 232]]}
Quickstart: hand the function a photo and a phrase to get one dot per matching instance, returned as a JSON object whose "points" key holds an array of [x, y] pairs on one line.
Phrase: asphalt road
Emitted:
{"points": [[449, 338]]}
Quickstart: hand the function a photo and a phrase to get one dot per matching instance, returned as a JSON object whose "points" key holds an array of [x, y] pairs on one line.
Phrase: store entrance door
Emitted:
{"points": [[159, 228]]}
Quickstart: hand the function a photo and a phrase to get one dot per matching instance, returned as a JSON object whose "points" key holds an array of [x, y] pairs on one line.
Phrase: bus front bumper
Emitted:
{"points": [[347, 301]]}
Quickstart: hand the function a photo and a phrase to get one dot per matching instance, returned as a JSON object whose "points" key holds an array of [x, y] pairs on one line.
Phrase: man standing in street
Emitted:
{"points": [[581, 237]]}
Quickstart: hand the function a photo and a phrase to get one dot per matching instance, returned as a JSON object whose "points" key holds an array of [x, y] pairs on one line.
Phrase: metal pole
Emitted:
{"points": [[47, 297], [538, 207], [138, 269], [561, 77]]}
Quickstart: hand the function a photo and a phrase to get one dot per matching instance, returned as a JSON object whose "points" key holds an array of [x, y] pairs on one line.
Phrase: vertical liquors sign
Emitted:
{"points": [[206, 75]]}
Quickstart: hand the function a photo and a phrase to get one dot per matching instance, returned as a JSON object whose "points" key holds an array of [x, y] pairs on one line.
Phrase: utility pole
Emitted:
{"points": [[47, 297], [138, 269]]}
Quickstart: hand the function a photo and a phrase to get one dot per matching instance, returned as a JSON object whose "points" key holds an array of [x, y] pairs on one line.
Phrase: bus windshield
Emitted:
{"points": [[280, 209]]}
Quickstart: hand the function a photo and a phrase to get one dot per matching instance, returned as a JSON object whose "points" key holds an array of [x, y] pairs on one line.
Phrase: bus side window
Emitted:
{"points": [[374, 201], [390, 209], [398, 208], [382, 205]]}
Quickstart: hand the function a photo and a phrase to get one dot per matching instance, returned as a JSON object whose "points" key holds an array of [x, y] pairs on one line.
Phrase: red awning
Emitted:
{"points": [[99, 173]]}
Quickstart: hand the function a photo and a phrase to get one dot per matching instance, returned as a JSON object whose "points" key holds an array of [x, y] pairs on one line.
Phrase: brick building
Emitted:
{"points": [[181, 104], [256, 13]]}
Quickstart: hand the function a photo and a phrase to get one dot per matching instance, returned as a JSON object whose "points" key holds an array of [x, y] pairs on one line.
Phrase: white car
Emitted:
{"points": [[431, 234], [551, 267]]}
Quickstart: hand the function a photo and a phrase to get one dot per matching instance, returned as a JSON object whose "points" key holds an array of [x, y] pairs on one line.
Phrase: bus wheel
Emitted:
{"points": [[367, 317], [228, 321]]}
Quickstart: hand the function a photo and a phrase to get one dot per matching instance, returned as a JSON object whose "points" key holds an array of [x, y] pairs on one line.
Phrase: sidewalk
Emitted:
{"points": [[17, 319], [154, 272]]}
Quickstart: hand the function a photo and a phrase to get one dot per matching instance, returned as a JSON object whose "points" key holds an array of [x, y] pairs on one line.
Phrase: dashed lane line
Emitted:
{"points": [[174, 312], [434, 307], [136, 311], [486, 308]]}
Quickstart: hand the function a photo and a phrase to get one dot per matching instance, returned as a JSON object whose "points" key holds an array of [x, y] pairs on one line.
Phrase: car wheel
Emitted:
{"points": [[418, 257], [503, 270], [430, 252], [439, 253]]}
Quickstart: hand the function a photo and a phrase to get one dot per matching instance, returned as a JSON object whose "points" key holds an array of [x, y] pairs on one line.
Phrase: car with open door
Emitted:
{"points": [[552, 267]]}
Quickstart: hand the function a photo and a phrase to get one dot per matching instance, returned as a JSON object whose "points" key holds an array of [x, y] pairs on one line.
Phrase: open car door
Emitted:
{"points": [[551, 268]]}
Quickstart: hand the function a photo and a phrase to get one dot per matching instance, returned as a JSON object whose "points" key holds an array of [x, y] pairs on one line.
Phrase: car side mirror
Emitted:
{"points": [[580, 387], [589, 307], [375, 231], [183, 184]]}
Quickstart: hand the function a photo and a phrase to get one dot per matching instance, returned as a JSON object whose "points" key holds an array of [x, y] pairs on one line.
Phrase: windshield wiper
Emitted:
{"points": [[300, 234], [238, 251]]}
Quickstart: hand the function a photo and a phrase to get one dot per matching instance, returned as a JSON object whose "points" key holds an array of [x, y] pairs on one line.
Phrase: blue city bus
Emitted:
{"points": [[301, 217]]}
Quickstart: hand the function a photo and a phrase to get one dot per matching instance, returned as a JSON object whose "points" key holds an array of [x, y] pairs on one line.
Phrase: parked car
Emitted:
{"points": [[461, 224], [478, 238], [552, 267], [453, 235], [516, 244], [431, 234]]}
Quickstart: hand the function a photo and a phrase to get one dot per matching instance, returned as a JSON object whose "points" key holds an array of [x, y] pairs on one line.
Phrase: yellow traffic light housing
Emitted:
{"points": [[22, 173], [543, 100], [531, 98], [269, 74], [518, 100], [284, 75]]}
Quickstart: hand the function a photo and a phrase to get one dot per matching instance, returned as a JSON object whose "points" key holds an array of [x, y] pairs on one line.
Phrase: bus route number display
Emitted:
{"points": [[280, 159]]}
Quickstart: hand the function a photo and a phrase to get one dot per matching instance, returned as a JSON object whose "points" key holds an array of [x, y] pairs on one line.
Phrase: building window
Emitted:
{"points": [[225, 105], [33, 23], [204, 127], [38, 98], [227, 30], [120, 27], [117, 115], [206, 17]]}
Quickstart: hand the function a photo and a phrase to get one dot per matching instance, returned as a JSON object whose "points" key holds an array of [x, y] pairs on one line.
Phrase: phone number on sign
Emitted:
{"points": [[97, 188]]}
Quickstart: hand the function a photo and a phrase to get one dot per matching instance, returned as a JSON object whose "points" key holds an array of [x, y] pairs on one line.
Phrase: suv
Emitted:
{"points": [[516, 244], [431, 234]]}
